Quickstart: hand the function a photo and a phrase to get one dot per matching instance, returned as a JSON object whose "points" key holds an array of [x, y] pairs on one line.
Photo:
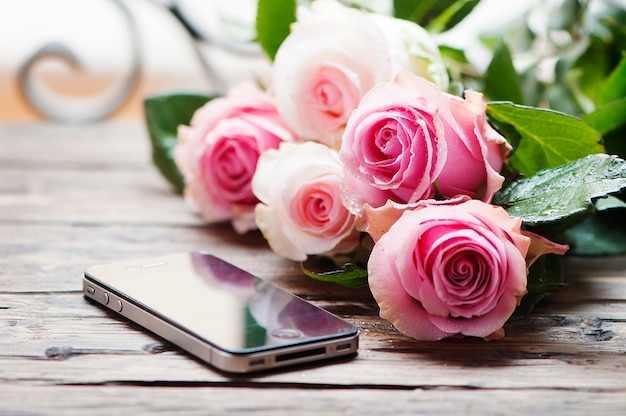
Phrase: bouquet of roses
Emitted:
{"points": [[444, 205]]}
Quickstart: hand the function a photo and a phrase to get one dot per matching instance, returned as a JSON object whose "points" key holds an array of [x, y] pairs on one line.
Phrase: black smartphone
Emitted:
{"points": [[220, 313]]}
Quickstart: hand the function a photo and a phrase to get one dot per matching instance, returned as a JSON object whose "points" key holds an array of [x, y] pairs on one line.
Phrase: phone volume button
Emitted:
{"points": [[119, 306], [106, 298]]}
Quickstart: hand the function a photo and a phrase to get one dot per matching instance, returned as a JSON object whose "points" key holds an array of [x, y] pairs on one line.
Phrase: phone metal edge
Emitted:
{"points": [[220, 359]]}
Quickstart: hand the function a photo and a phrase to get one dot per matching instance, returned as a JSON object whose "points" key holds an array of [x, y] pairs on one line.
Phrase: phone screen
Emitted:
{"points": [[220, 303]]}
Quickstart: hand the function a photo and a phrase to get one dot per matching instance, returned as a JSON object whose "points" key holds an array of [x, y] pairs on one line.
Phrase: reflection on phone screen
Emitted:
{"points": [[225, 305]]}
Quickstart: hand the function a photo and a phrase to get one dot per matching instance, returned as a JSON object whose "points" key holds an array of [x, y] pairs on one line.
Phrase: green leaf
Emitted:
{"points": [[582, 75], [602, 234], [614, 88], [437, 15], [351, 276], [565, 192], [608, 117], [545, 277], [412, 10], [163, 114], [453, 54], [453, 14], [501, 80], [547, 138], [273, 21], [610, 112], [615, 141]]}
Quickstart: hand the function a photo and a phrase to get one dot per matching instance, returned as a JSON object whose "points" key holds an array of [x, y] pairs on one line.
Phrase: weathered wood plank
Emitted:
{"points": [[39, 257], [73, 196], [35, 257], [91, 174], [218, 400], [44, 258], [69, 196], [56, 337], [110, 144], [371, 368], [581, 328]]}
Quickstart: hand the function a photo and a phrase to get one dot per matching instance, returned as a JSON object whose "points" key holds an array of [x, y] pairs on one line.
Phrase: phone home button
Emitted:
{"points": [[287, 333]]}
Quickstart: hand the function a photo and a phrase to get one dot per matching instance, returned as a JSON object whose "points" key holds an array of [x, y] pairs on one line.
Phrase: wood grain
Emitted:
{"points": [[74, 196], [159, 398]]}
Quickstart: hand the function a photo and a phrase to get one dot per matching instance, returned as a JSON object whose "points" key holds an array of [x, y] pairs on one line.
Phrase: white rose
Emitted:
{"points": [[334, 55], [300, 210]]}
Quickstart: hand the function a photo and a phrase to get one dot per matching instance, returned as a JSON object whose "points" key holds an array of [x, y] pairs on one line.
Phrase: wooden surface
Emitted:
{"points": [[73, 196]]}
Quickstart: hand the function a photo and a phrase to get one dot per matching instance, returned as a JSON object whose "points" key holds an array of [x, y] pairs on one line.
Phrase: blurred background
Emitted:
{"points": [[82, 58]]}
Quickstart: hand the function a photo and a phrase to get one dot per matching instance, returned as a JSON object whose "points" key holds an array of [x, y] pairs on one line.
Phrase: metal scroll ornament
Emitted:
{"points": [[60, 107], [80, 109]]}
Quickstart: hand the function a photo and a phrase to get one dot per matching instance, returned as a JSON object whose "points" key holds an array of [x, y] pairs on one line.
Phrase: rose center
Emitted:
{"points": [[387, 142], [399, 152], [470, 282], [333, 93], [230, 167], [466, 276], [329, 98], [317, 208]]}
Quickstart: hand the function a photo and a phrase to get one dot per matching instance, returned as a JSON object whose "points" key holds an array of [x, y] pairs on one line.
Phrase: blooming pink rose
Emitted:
{"points": [[407, 140], [393, 147], [450, 268], [334, 55], [476, 152], [301, 213], [217, 154]]}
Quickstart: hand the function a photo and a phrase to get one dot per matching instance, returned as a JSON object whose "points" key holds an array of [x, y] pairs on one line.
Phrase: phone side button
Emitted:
{"points": [[106, 298], [119, 306], [90, 289]]}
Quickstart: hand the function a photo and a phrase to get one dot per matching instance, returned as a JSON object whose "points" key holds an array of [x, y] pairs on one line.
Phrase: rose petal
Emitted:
{"points": [[394, 142], [540, 246], [395, 304], [460, 266], [305, 206]]}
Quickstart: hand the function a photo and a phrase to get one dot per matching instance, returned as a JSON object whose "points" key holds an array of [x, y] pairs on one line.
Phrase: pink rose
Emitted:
{"points": [[476, 152], [450, 268], [408, 139], [393, 147], [300, 210], [217, 154], [334, 55]]}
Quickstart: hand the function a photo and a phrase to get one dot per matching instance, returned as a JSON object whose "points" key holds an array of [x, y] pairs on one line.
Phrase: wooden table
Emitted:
{"points": [[73, 196]]}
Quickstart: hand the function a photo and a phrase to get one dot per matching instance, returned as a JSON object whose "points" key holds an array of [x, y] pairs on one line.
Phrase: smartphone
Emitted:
{"points": [[222, 314]]}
